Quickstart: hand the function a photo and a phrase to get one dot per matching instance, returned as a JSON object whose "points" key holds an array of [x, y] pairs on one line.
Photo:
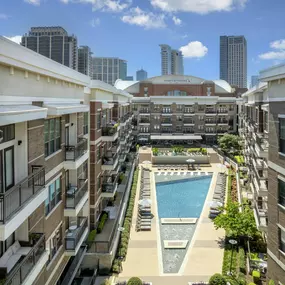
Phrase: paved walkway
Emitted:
{"points": [[204, 256]]}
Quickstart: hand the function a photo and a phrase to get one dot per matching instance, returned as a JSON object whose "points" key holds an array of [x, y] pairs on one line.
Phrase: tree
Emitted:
{"points": [[134, 281], [235, 222], [217, 279], [229, 142]]}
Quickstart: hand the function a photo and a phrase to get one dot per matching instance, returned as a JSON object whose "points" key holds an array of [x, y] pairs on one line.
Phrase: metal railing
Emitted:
{"points": [[144, 110], [22, 270], [143, 120], [109, 183], [110, 160], [211, 111], [109, 130], [210, 122], [73, 152], [71, 242], [166, 121], [16, 197], [74, 197]]}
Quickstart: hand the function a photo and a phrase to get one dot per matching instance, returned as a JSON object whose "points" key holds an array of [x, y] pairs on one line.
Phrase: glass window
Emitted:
{"points": [[54, 196], [98, 121], [281, 186], [54, 244], [9, 167], [282, 135], [282, 240], [52, 136], [85, 124], [7, 133]]}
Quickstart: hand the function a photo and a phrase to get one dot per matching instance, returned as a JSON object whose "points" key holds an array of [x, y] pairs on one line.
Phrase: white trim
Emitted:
{"points": [[52, 211], [40, 126], [53, 154], [281, 116], [281, 178], [276, 167], [62, 109], [53, 233], [281, 227], [36, 158], [53, 172]]}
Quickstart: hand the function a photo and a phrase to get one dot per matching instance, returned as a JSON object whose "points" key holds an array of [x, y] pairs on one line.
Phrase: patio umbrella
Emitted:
{"points": [[146, 162], [215, 204], [190, 161], [145, 202]]}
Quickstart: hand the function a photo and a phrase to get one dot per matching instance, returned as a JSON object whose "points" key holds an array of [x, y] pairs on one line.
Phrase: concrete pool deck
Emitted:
{"points": [[203, 258]]}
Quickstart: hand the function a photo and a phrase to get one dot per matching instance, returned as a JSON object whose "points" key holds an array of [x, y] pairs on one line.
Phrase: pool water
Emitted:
{"points": [[183, 198]]}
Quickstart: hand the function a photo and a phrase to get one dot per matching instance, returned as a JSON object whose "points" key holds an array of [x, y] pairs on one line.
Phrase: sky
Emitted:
{"points": [[133, 29]]}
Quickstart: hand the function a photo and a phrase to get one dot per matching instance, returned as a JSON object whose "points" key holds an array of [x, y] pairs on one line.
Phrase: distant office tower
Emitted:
{"points": [[130, 78], [177, 67], [171, 61], [254, 80], [84, 60], [141, 75], [233, 60], [53, 42], [109, 69]]}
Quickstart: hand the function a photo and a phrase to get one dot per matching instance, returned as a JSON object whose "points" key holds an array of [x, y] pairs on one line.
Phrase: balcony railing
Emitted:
{"points": [[222, 111], [73, 152], [74, 194], [210, 122], [16, 197], [109, 130], [24, 268], [143, 120], [73, 236], [211, 111], [110, 160], [109, 183], [166, 121], [144, 110], [222, 121], [188, 131]]}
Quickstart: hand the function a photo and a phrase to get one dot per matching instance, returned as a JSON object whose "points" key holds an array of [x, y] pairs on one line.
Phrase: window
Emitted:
{"points": [[54, 196], [98, 155], [52, 136], [85, 124], [281, 192], [281, 240], [282, 135], [7, 133], [98, 121], [54, 243], [6, 169]]}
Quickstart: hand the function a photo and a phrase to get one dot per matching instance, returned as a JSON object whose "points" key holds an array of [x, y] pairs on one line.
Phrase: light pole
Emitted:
{"points": [[232, 242]]}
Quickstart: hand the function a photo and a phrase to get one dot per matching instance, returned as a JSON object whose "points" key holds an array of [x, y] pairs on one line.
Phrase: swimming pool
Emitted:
{"points": [[182, 198]]}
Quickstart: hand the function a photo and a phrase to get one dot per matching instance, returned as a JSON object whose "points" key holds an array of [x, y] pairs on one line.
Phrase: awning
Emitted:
{"points": [[12, 114], [63, 109], [185, 137]]}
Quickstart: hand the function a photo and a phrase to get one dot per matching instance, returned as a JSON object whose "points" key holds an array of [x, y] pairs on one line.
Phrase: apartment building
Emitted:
{"points": [[59, 167], [182, 109], [253, 128], [275, 77]]}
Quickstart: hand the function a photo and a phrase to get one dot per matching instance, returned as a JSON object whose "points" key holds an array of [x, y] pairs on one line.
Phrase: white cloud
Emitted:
{"points": [[176, 21], [33, 2], [184, 36], [3, 16], [95, 22], [197, 6], [15, 39], [194, 50], [280, 44], [148, 20], [273, 55], [104, 5]]}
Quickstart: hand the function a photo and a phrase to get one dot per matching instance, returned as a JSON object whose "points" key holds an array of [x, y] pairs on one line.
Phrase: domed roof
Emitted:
{"points": [[222, 86]]}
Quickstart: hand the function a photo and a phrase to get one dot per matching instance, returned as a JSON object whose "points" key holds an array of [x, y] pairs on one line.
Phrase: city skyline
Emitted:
{"points": [[264, 49]]}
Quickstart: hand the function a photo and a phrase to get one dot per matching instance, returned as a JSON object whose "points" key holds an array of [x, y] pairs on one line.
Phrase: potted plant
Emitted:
{"points": [[155, 151]]}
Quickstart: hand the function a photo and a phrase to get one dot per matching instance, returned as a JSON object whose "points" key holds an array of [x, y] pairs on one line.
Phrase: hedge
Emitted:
{"points": [[102, 221], [125, 235]]}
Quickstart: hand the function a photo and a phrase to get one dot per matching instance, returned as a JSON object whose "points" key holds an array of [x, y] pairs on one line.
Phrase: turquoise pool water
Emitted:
{"points": [[183, 198]]}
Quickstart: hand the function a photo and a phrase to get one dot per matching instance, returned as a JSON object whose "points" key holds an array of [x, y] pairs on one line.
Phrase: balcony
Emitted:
{"points": [[261, 218], [210, 122], [110, 133], [19, 202], [222, 111], [75, 155], [109, 163], [211, 111], [123, 140], [188, 122], [222, 122], [144, 111], [201, 111], [116, 147], [109, 186], [75, 235], [30, 265], [166, 122], [188, 132], [75, 198], [261, 187], [144, 121]]}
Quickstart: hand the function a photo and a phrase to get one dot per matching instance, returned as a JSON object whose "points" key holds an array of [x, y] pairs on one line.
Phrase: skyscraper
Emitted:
{"points": [[53, 42], [171, 61], [254, 80], [109, 69], [141, 75], [130, 78], [84, 60], [233, 60]]}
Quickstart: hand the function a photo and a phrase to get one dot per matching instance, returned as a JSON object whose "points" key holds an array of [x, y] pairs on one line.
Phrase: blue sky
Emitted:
{"points": [[133, 29]]}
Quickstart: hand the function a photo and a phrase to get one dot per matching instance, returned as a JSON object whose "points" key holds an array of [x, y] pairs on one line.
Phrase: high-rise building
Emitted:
{"points": [[54, 43], [254, 80], [171, 61], [109, 69], [130, 78], [141, 75], [233, 60], [84, 60]]}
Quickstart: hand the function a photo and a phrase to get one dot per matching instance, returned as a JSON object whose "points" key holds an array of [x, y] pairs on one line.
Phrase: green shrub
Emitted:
{"points": [[155, 151], [117, 265], [92, 235], [106, 282], [102, 221], [217, 279], [134, 281], [271, 282], [251, 283], [255, 276], [242, 264]]}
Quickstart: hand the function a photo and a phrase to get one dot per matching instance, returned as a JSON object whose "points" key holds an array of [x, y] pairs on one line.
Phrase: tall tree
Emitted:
{"points": [[229, 143]]}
